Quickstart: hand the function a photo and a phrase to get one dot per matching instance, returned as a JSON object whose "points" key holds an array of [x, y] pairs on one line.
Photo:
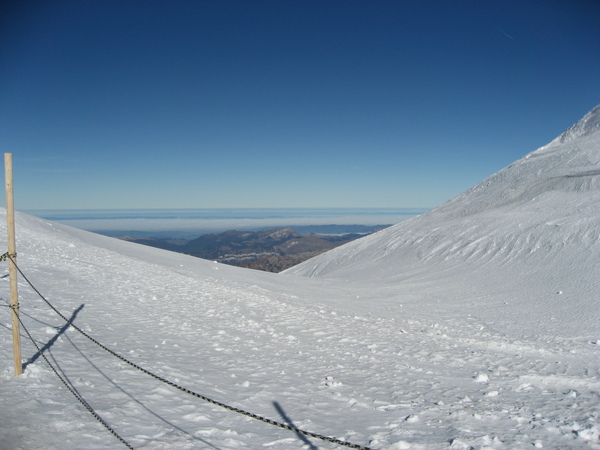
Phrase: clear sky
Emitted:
{"points": [[208, 104]]}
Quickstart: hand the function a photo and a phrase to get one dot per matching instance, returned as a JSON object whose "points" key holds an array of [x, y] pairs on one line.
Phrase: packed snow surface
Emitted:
{"points": [[476, 325]]}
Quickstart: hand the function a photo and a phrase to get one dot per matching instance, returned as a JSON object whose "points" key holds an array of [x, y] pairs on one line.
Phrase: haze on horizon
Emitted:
{"points": [[263, 104], [191, 223]]}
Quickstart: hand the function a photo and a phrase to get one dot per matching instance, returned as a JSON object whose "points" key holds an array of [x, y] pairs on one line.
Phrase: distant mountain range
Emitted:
{"points": [[271, 250]]}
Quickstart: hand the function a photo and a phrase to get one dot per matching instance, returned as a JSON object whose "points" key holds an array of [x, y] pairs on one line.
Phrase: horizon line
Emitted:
{"points": [[236, 208]]}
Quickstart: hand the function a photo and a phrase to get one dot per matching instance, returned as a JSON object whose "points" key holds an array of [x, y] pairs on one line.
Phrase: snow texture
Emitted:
{"points": [[475, 325]]}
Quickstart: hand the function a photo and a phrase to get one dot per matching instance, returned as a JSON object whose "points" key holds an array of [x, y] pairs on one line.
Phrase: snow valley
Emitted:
{"points": [[474, 325]]}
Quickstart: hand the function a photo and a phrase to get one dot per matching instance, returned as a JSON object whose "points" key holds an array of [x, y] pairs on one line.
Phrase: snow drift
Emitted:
{"points": [[473, 326]]}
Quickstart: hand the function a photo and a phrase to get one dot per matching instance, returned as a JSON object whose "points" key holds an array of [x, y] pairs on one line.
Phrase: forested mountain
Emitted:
{"points": [[272, 250]]}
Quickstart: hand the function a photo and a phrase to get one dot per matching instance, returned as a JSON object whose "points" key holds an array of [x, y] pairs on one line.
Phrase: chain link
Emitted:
{"points": [[81, 400], [183, 389], [8, 255]]}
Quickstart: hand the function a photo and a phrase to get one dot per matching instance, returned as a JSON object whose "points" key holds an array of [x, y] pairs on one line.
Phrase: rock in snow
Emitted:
{"points": [[444, 331]]}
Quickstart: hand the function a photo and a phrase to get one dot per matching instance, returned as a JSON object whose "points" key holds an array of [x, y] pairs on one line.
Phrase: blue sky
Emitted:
{"points": [[209, 104]]}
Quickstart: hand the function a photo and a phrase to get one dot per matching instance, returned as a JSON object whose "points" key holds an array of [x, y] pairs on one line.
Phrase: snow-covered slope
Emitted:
{"points": [[530, 231], [472, 326]]}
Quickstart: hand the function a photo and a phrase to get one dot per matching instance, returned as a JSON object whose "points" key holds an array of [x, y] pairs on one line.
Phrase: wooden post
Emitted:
{"points": [[12, 269]]}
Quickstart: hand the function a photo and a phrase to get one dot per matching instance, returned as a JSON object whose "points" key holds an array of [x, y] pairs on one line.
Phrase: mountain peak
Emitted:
{"points": [[532, 229], [589, 124]]}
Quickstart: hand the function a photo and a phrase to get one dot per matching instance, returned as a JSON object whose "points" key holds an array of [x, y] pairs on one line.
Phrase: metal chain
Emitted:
{"points": [[75, 394], [188, 391], [8, 255]]}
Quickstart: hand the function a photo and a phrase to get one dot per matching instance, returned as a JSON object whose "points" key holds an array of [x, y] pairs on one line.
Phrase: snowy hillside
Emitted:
{"points": [[473, 326], [530, 231]]}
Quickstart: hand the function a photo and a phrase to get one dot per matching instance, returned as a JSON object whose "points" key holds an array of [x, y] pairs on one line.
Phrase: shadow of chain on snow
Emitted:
{"points": [[135, 400]]}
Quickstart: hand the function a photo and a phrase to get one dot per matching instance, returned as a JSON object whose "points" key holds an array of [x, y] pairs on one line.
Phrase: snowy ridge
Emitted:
{"points": [[589, 124], [540, 186], [475, 325], [536, 221]]}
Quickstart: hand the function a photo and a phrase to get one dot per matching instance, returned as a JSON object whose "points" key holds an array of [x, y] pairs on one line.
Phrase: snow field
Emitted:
{"points": [[475, 325], [377, 381]]}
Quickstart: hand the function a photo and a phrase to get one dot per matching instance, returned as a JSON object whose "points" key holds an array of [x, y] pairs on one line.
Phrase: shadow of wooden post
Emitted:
{"points": [[289, 422], [51, 342]]}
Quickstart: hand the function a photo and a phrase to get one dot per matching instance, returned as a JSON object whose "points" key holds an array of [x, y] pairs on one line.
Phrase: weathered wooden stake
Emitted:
{"points": [[12, 269]]}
